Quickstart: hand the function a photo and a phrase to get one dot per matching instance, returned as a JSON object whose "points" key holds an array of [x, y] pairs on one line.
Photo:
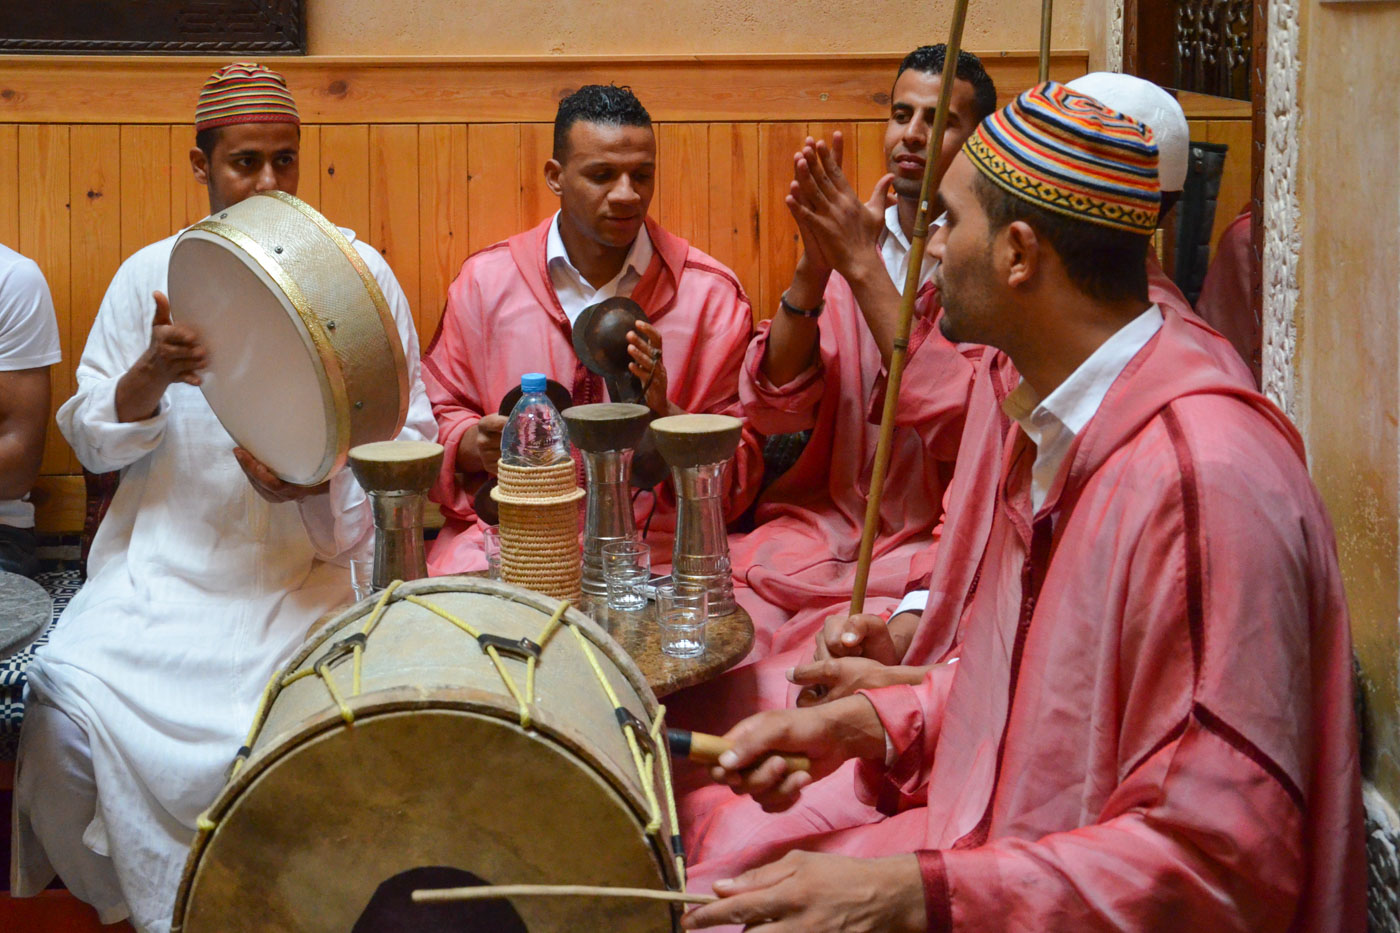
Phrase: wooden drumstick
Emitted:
{"points": [[501, 891], [706, 749]]}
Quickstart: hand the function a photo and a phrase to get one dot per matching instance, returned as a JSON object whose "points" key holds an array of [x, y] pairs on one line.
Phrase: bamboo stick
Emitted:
{"points": [[1046, 15], [502, 891], [906, 307]]}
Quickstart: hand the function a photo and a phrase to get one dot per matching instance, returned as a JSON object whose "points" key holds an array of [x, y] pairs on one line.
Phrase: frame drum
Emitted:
{"points": [[432, 770], [305, 361]]}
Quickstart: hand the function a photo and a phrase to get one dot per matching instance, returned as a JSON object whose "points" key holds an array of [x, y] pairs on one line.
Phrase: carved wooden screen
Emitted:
{"points": [[153, 26], [1213, 47]]}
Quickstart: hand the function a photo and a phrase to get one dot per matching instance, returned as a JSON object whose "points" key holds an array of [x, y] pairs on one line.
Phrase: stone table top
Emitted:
{"points": [[25, 608], [728, 640]]}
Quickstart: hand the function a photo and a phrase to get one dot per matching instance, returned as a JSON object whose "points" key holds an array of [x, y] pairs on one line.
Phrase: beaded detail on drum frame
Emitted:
{"points": [[647, 743], [376, 294]]}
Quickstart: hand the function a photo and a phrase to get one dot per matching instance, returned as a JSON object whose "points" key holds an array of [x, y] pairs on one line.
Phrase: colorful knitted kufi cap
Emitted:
{"points": [[1068, 153], [244, 92], [1147, 103]]}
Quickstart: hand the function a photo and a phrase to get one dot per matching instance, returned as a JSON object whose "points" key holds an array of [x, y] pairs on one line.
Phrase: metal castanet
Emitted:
{"points": [[906, 307]]}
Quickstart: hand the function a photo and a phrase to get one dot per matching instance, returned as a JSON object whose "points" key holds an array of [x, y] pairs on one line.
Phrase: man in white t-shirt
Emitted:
{"points": [[28, 347]]}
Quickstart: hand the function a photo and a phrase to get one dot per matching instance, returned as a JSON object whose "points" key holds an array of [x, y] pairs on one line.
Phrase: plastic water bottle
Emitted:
{"points": [[535, 433]]}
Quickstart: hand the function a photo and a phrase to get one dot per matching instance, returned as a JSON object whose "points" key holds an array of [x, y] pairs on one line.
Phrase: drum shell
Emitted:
{"points": [[436, 770], [338, 308]]}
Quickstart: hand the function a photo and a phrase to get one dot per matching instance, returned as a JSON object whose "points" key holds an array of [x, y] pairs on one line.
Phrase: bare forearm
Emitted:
{"points": [[793, 340], [138, 394]]}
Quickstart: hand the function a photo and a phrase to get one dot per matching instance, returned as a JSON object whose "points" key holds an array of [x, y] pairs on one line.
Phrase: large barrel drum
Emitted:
{"points": [[451, 762]]}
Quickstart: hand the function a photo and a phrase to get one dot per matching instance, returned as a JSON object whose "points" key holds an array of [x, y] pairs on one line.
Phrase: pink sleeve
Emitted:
{"points": [[452, 386], [912, 717], [779, 409], [934, 390], [1198, 836]]}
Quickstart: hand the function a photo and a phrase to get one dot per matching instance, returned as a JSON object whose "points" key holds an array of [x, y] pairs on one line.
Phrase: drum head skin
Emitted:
{"points": [[304, 359], [437, 780]]}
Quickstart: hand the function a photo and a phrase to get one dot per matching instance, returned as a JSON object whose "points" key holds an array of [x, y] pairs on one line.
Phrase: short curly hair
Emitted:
{"points": [[929, 59], [597, 103]]}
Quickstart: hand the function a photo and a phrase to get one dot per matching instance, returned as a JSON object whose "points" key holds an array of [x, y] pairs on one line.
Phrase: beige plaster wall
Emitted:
{"points": [[1348, 349], [673, 27]]}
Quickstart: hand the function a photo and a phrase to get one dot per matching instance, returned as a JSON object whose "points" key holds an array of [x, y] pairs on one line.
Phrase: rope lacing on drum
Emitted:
{"points": [[642, 741]]}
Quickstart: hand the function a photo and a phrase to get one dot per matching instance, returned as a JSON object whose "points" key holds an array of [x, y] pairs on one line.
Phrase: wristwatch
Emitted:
{"points": [[791, 308]]}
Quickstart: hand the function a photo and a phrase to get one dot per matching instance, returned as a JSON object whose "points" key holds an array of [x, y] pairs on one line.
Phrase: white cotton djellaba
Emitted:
{"points": [[198, 591]]}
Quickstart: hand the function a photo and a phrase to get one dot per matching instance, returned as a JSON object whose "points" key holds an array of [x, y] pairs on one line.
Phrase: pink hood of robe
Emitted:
{"points": [[503, 319], [1154, 728], [801, 559]]}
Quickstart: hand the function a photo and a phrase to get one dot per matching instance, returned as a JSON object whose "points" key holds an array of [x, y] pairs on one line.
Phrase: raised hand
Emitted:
{"points": [[174, 354]]}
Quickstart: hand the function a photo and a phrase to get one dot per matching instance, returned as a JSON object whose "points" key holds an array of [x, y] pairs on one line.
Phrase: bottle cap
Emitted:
{"points": [[532, 382]]}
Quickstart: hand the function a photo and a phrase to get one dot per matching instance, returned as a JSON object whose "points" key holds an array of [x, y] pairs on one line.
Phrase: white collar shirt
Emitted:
{"points": [[574, 291], [894, 248], [1052, 423]]}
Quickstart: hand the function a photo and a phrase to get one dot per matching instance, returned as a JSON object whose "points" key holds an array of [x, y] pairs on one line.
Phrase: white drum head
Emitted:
{"points": [[261, 380]]}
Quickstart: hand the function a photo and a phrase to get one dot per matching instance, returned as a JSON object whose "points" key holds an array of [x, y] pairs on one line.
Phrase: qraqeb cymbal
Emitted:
{"points": [[600, 340], [483, 502]]}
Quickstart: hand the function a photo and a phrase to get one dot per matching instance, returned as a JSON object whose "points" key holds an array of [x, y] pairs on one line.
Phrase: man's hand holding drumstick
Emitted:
{"points": [[175, 354]]}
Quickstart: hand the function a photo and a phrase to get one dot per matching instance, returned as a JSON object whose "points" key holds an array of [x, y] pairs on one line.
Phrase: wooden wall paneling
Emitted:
{"points": [[870, 142], [95, 235], [189, 200], [1236, 182], [393, 204], [778, 239], [145, 186], [43, 162], [677, 88], [345, 176], [734, 214], [681, 202], [443, 173], [536, 200], [9, 185], [493, 183], [309, 177]]}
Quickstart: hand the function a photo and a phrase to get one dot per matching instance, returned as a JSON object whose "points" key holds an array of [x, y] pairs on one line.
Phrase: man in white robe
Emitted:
{"points": [[204, 577]]}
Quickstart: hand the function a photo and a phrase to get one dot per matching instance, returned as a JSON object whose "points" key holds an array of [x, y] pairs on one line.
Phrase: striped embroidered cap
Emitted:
{"points": [[1068, 153], [244, 92]]}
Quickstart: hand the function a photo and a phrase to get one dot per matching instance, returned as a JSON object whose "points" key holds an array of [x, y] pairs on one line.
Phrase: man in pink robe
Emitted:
{"points": [[1227, 296], [1156, 656], [512, 307], [812, 368]]}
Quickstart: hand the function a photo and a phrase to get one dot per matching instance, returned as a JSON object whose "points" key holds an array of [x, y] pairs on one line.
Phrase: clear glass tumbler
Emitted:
{"points": [[627, 570], [491, 544], [682, 610]]}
